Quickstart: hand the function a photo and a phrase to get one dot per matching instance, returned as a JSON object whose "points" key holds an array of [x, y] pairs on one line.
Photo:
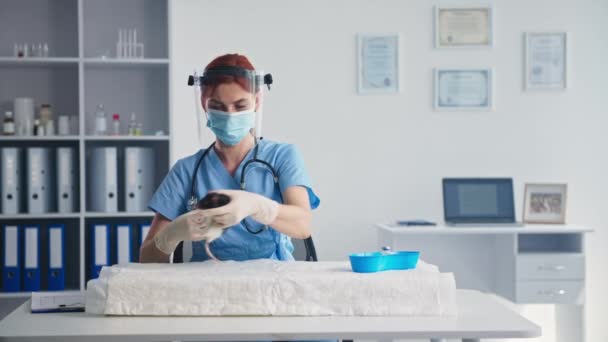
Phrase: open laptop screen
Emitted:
{"points": [[478, 200]]}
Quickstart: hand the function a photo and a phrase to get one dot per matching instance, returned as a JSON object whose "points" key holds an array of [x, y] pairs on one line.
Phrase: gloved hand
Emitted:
{"points": [[193, 226], [242, 204]]}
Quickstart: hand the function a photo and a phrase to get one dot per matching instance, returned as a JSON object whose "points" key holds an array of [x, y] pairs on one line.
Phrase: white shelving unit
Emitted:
{"points": [[74, 79]]}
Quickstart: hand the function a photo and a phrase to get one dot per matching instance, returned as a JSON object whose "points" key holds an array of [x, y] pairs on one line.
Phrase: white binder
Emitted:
{"points": [[11, 189], [144, 229], [123, 244], [103, 179], [100, 249], [38, 180], [66, 179], [139, 178]]}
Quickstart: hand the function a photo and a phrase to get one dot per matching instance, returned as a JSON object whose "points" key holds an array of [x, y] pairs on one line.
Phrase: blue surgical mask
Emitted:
{"points": [[230, 128]]}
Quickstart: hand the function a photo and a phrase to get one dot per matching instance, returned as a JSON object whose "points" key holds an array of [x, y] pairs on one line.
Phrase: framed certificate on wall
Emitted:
{"points": [[463, 89], [378, 64], [470, 26], [546, 60]]}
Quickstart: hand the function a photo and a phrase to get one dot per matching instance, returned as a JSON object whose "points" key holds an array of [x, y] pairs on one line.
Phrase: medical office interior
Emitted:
{"points": [[390, 112]]}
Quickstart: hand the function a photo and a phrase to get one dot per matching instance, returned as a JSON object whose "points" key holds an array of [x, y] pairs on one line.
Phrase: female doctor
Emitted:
{"points": [[270, 193]]}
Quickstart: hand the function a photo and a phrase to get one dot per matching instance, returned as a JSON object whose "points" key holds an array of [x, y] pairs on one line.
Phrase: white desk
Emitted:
{"points": [[529, 264], [481, 316]]}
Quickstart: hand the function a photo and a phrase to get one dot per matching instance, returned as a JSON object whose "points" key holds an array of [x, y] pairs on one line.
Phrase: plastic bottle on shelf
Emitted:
{"points": [[101, 125], [115, 124], [132, 125], [8, 127]]}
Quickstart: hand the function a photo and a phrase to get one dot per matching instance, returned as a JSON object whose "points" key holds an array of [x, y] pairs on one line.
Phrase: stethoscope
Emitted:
{"points": [[192, 202]]}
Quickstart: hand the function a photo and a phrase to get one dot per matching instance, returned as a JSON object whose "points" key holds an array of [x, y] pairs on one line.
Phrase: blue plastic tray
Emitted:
{"points": [[378, 261]]}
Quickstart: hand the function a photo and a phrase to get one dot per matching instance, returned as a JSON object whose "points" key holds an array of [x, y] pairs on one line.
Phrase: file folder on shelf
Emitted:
{"points": [[11, 185], [56, 257], [38, 180], [123, 244], [143, 232], [139, 178], [11, 270], [103, 179], [66, 179], [31, 262], [100, 248]]}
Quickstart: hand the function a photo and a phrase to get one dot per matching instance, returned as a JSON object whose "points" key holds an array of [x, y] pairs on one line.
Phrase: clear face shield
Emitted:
{"points": [[246, 93]]}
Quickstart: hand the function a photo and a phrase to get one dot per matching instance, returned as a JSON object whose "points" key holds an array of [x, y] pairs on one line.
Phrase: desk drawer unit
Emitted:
{"points": [[550, 267], [553, 292]]}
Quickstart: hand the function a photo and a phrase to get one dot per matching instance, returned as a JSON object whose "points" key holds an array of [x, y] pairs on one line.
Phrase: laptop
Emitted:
{"points": [[477, 202]]}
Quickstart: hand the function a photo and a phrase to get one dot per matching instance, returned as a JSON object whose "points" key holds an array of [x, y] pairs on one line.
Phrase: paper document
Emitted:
{"points": [[57, 301]]}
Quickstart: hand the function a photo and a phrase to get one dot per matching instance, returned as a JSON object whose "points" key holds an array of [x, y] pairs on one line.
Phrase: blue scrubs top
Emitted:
{"points": [[171, 197]]}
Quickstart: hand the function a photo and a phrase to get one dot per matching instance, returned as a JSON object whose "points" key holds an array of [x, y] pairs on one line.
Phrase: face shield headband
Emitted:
{"points": [[254, 82]]}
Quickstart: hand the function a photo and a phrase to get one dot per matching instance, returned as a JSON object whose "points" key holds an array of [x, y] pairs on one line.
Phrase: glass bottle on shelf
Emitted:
{"points": [[132, 125], [38, 128], [115, 124], [45, 114], [139, 129], [50, 127], [100, 121], [8, 126]]}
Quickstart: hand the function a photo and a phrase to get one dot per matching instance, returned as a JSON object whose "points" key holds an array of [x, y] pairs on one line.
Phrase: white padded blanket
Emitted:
{"points": [[269, 287]]}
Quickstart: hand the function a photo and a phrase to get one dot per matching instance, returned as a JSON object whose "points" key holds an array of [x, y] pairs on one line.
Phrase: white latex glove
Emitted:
{"points": [[193, 226], [242, 204]]}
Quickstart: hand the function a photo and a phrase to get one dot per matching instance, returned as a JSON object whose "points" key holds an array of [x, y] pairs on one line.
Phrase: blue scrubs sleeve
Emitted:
{"points": [[292, 172], [169, 199]]}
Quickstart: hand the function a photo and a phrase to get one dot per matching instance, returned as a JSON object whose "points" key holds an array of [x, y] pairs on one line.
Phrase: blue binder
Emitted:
{"points": [[11, 270], [56, 257], [31, 258], [100, 248], [124, 244]]}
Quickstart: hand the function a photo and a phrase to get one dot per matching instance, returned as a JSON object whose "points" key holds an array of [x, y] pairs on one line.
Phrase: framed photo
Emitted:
{"points": [[463, 89], [464, 26], [378, 64], [546, 60], [545, 203]]}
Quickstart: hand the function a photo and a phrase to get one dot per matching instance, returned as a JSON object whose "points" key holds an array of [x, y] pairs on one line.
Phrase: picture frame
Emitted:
{"points": [[378, 63], [464, 26], [545, 203], [546, 60], [464, 89]]}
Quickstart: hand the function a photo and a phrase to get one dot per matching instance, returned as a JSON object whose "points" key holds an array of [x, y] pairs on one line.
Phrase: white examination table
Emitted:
{"points": [[480, 316]]}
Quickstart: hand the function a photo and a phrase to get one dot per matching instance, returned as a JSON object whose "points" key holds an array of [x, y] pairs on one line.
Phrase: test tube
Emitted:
{"points": [[131, 43], [119, 44]]}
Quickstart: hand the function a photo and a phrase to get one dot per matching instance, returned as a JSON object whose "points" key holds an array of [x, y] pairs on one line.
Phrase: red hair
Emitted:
{"points": [[233, 59]]}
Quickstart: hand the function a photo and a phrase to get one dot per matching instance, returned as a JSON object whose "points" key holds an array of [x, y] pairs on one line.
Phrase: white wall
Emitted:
{"points": [[378, 158]]}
